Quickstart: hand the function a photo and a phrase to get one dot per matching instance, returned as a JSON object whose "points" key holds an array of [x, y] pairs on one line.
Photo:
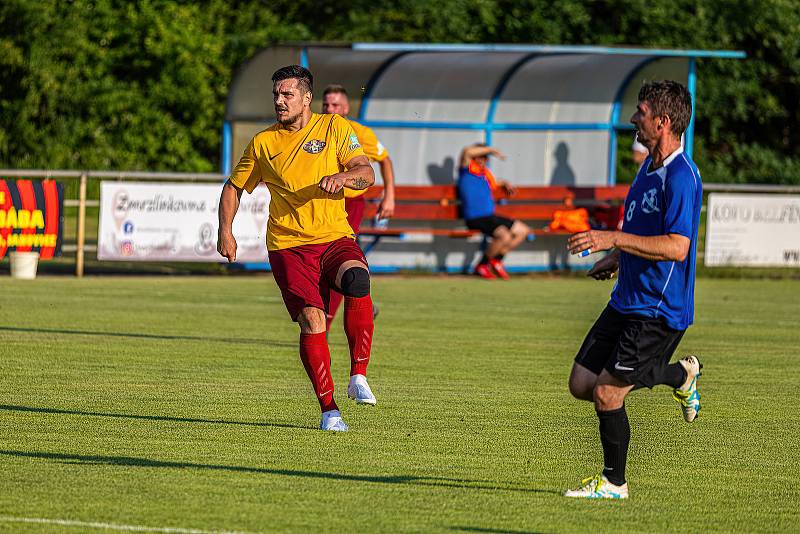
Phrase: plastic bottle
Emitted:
{"points": [[379, 223]]}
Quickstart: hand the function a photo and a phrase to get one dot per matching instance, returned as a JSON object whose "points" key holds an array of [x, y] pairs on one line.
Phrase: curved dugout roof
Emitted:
{"points": [[554, 110]]}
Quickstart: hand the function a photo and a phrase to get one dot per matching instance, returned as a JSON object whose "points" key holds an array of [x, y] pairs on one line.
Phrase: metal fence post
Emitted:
{"points": [[81, 226]]}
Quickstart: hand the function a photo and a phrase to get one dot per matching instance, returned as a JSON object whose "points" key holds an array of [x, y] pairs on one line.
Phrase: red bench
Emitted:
{"points": [[433, 209]]}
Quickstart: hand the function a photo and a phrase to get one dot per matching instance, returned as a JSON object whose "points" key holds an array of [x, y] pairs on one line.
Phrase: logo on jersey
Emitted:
{"points": [[314, 146], [354, 144], [650, 201]]}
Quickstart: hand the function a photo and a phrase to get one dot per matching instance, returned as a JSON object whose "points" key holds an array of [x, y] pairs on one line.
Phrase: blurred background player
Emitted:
{"points": [[652, 304], [306, 160], [334, 100], [476, 186]]}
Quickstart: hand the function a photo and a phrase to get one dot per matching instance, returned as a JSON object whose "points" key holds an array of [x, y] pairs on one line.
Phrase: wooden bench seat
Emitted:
{"points": [[417, 206]]}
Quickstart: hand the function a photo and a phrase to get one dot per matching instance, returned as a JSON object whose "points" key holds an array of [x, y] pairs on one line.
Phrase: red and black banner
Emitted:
{"points": [[31, 217]]}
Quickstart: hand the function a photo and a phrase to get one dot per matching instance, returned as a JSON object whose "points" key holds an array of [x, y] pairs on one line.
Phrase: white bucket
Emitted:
{"points": [[24, 264]]}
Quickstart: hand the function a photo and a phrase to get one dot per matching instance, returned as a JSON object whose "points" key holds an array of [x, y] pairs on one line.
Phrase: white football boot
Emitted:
{"points": [[687, 395], [332, 421], [598, 487], [359, 391]]}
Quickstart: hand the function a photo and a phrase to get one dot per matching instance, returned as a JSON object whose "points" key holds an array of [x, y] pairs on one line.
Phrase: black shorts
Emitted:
{"points": [[630, 347], [489, 224]]}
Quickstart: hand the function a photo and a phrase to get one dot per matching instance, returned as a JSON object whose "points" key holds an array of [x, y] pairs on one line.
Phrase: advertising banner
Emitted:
{"points": [[176, 222], [753, 230], [31, 217]]}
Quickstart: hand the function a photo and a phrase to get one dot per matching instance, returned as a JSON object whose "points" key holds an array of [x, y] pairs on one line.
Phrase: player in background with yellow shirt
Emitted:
{"points": [[307, 161], [334, 100]]}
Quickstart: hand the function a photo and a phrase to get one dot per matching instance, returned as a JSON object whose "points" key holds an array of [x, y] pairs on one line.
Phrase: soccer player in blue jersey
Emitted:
{"points": [[652, 304], [476, 186]]}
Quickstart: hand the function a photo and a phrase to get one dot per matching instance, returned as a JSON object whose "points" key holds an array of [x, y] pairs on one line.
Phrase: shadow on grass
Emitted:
{"points": [[151, 417], [261, 342], [130, 461]]}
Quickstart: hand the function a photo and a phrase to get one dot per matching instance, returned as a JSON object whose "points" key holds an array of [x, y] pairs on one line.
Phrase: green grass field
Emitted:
{"points": [[181, 403]]}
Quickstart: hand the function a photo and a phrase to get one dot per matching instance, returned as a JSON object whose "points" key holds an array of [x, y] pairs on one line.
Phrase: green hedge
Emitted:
{"points": [[124, 85]]}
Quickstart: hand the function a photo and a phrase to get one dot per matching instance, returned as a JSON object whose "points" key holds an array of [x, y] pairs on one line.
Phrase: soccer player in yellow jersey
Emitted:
{"points": [[307, 161], [334, 100]]}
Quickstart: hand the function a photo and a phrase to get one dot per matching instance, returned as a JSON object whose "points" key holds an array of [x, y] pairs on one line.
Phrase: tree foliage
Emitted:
{"points": [[142, 85]]}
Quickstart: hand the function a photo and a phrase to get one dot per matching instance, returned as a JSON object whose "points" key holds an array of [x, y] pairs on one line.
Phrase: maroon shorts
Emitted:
{"points": [[355, 211], [306, 274]]}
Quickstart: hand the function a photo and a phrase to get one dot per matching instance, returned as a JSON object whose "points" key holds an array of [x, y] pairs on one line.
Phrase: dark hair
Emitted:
{"points": [[671, 99], [303, 76], [334, 89]]}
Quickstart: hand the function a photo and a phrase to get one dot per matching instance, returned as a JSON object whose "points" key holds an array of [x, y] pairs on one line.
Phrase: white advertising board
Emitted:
{"points": [[176, 222], [753, 230]]}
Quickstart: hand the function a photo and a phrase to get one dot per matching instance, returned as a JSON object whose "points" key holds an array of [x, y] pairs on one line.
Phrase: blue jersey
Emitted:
{"points": [[475, 192], [664, 201]]}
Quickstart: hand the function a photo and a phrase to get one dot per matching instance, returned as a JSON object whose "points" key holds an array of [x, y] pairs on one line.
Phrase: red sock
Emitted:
{"points": [[333, 305], [317, 360], [358, 326]]}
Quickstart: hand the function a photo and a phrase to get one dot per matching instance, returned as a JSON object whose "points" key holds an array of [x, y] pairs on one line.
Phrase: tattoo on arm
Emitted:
{"points": [[359, 183]]}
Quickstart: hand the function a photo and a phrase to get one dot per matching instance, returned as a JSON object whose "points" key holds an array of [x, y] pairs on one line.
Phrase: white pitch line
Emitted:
{"points": [[109, 526]]}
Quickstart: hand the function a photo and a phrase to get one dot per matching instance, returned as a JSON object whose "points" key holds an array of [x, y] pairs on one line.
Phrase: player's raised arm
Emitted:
{"points": [[478, 150], [228, 206], [359, 175], [669, 247]]}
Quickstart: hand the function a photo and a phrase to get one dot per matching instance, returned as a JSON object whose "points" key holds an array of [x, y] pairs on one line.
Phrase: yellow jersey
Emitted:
{"points": [[292, 165], [373, 149]]}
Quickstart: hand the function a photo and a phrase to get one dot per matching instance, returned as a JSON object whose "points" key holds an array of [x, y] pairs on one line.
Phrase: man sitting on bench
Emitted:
{"points": [[476, 186]]}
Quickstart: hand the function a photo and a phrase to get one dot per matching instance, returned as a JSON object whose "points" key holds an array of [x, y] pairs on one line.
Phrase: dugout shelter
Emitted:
{"points": [[560, 113], [555, 110]]}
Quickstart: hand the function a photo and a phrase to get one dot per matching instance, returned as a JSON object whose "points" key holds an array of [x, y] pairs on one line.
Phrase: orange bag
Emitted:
{"points": [[571, 221]]}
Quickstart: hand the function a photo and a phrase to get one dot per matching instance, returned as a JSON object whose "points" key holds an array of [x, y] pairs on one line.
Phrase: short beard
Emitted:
{"points": [[289, 120]]}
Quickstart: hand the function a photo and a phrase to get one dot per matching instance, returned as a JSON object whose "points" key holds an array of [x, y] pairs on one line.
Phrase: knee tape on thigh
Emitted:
{"points": [[355, 282]]}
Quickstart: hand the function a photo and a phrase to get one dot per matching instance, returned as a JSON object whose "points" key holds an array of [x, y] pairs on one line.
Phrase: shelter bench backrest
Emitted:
{"points": [[440, 202]]}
